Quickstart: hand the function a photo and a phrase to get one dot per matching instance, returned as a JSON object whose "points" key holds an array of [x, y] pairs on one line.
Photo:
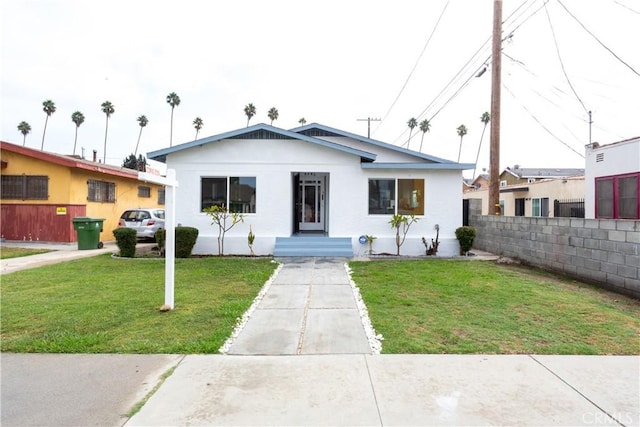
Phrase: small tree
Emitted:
{"points": [[225, 221], [398, 221], [370, 240]]}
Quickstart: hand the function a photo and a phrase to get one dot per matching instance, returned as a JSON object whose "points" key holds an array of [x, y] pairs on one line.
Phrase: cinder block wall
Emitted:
{"points": [[602, 252]]}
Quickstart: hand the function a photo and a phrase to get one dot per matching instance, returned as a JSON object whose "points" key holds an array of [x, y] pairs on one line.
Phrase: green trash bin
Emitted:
{"points": [[88, 231]]}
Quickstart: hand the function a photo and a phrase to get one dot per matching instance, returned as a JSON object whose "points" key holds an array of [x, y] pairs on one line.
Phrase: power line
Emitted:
{"points": [[540, 123], [424, 48], [555, 41], [597, 39]]}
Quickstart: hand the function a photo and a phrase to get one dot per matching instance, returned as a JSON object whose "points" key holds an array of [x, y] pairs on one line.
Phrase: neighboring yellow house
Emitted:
{"points": [[539, 198], [41, 192]]}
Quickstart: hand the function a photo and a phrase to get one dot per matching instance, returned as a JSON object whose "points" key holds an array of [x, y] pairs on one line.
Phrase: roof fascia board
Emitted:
{"points": [[425, 166]]}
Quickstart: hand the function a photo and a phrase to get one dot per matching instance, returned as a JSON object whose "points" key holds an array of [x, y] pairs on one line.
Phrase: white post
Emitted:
{"points": [[170, 184], [170, 245]]}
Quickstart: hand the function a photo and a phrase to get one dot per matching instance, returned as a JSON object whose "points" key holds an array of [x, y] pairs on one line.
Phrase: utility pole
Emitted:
{"points": [[590, 123], [369, 120], [494, 152]]}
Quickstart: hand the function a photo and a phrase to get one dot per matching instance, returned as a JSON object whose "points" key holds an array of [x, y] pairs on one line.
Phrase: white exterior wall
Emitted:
{"points": [[272, 162], [619, 158]]}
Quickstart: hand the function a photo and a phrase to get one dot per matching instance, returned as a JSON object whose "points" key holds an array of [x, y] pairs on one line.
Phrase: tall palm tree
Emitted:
{"points": [[174, 100], [425, 126], [108, 109], [249, 111], [485, 118], [411, 123], [49, 107], [142, 121], [24, 129], [462, 131], [273, 114], [198, 124], [302, 121], [78, 119]]}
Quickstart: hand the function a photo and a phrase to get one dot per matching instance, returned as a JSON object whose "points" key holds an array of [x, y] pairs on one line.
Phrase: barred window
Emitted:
{"points": [[144, 191], [24, 187], [161, 192], [101, 191]]}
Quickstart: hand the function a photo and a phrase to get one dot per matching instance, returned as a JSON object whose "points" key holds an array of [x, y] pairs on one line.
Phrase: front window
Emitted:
{"points": [[24, 187], [402, 196], [236, 193], [101, 191]]}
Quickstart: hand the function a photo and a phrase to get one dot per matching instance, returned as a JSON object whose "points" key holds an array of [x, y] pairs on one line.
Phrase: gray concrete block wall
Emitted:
{"points": [[602, 252]]}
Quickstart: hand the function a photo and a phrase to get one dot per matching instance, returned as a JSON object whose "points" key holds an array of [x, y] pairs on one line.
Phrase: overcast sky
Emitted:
{"points": [[331, 62]]}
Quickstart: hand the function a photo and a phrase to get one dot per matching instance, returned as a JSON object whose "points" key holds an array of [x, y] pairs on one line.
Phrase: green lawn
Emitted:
{"points": [[102, 304], [6, 253], [454, 306]]}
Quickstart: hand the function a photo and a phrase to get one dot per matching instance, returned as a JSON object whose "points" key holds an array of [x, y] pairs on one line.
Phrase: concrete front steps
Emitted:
{"points": [[313, 246]]}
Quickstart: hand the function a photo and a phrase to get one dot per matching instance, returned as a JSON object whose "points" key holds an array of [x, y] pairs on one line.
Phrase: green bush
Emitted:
{"points": [[185, 240], [126, 241], [465, 236]]}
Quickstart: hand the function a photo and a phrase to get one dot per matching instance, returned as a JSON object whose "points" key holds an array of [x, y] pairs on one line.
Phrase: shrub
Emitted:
{"points": [[126, 241], [465, 236], [185, 240]]}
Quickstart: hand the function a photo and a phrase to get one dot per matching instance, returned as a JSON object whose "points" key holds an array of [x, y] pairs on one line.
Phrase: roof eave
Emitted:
{"points": [[421, 166]]}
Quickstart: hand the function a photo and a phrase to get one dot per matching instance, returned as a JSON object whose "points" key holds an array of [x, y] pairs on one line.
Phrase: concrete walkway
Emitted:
{"points": [[309, 308]]}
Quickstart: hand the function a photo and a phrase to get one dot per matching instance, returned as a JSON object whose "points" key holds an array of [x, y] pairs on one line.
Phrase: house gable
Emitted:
{"points": [[261, 131]]}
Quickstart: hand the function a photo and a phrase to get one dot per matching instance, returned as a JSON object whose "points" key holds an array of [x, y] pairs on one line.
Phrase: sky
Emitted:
{"points": [[331, 62]]}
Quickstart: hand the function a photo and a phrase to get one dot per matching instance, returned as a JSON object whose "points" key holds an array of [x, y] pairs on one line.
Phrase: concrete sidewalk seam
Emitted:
{"points": [[576, 390], [303, 326], [373, 389]]}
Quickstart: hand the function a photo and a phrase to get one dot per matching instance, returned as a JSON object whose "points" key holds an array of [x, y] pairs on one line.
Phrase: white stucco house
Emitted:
{"points": [[314, 190], [612, 180]]}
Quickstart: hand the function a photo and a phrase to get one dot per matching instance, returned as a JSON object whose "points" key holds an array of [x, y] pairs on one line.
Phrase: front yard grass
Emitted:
{"points": [[454, 306], [6, 253], [107, 305]]}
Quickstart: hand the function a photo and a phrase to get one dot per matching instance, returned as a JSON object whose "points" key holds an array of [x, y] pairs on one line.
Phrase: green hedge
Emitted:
{"points": [[465, 235], [185, 240], [126, 241]]}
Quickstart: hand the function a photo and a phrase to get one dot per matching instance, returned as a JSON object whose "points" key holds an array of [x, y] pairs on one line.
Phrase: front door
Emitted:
{"points": [[311, 193]]}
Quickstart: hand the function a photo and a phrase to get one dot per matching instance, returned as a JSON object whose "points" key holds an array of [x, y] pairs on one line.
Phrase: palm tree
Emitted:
{"points": [[411, 123], [462, 131], [302, 121], [142, 121], [249, 111], [108, 109], [198, 124], [273, 114], [78, 119], [49, 108], [174, 100], [425, 126], [485, 118], [24, 129]]}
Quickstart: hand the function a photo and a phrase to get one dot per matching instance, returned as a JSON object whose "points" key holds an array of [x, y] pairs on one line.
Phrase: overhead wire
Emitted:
{"points": [[564, 71], [540, 123], [597, 39], [424, 48], [513, 17]]}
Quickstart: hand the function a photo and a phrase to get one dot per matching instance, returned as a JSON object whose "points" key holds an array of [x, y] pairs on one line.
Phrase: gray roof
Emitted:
{"points": [[259, 131], [544, 172]]}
